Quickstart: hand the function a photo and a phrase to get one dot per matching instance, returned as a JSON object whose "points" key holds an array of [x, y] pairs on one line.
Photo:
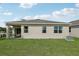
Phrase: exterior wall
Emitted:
{"points": [[36, 32], [75, 32]]}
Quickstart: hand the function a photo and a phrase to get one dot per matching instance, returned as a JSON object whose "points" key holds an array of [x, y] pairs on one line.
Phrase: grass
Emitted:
{"points": [[40, 47]]}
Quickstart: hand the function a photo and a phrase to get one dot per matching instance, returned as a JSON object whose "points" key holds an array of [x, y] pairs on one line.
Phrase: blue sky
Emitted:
{"points": [[64, 12]]}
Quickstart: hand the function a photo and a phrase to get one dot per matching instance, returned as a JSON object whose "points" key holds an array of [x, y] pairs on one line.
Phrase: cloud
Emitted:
{"points": [[7, 13], [42, 16], [15, 19], [2, 24], [38, 17], [27, 5], [0, 7], [69, 11], [77, 5], [65, 12], [57, 14], [4, 21], [28, 17]]}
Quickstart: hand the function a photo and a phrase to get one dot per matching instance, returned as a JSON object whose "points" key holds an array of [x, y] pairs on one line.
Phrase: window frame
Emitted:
{"points": [[58, 30], [55, 29], [25, 29], [44, 29]]}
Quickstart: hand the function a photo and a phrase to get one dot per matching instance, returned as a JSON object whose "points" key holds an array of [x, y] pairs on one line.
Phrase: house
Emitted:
{"points": [[75, 28], [37, 28]]}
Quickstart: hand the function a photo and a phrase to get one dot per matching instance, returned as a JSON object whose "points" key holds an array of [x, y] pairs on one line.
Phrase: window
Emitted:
{"points": [[69, 29], [55, 29], [58, 29], [25, 29], [44, 29]]}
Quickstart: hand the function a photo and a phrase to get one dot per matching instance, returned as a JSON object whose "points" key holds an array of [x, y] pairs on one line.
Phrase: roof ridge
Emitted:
{"points": [[41, 20]]}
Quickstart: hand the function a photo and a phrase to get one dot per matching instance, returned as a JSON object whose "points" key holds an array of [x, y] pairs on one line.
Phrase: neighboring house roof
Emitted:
{"points": [[75, 23], [35, 21]]}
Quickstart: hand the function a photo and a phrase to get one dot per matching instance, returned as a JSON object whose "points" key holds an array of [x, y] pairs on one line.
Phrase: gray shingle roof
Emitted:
{"points": [[36, 21], [74, 23]]}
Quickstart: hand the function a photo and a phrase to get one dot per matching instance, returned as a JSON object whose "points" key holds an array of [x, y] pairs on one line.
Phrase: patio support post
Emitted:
{"points": [[22, 31], [13, 32], [7, 31]]}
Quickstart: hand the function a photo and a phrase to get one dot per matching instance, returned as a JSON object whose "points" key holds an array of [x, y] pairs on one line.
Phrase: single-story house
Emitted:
{"points": [[75, 28], [37, 28]]}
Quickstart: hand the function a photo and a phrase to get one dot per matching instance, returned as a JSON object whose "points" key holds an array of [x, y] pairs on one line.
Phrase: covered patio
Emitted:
{"points": [[13, 31]]}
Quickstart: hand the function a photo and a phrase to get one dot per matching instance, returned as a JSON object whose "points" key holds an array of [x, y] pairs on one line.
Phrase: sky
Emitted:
{"points": [[63, 12]]}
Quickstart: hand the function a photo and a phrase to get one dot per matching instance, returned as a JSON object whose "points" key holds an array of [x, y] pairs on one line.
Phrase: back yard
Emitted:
{"points": [[40, 47]]}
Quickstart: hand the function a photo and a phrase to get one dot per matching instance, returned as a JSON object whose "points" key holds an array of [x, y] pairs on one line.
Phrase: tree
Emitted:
{"points": [[2, 29]]}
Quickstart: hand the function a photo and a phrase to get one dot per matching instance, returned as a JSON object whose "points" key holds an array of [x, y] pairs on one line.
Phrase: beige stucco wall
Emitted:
{"points": [[75, 32], [36, 32]]}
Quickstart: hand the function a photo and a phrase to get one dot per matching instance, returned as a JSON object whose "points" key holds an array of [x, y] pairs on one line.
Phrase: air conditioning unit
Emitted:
{"points": [[69, 38]]}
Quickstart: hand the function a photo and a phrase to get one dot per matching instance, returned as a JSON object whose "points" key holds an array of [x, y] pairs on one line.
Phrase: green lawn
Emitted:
{"points": [[40, 47]]}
